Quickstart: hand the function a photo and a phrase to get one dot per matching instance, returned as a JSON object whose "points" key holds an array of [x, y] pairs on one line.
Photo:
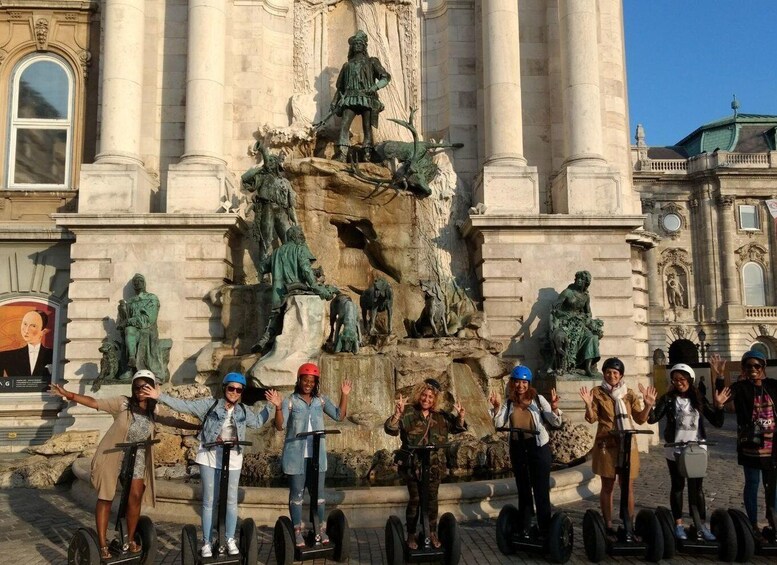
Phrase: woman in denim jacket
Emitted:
{"points": [[303, 411], [224, 419]]}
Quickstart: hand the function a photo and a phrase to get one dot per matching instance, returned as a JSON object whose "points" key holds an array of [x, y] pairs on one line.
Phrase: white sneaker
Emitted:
{"points": [[206, 550], [232, 547]]}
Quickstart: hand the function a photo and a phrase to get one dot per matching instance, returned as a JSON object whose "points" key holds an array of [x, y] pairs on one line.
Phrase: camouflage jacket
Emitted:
{"points": [[414, 429]]}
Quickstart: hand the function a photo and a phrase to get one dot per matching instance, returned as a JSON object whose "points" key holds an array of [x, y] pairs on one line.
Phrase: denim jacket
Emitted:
{"points": [[296, 413], [211, 428], [541, 414]]}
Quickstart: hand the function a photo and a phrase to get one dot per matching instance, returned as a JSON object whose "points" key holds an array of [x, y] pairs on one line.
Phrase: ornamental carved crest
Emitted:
{"points": [[42, 34], [675, 256], [679, 332], [672, 220], [752, 252]]}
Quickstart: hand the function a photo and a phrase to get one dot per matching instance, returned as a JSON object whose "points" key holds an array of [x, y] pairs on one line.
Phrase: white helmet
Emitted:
{"points": [[683, 368], [144, 374]]}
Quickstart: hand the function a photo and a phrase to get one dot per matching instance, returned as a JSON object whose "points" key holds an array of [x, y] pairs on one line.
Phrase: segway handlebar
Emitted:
{"points": [[524, 431], [316, 433], [228, 443], [687, 443], [429, 447], [130, 444], [630, 432]]}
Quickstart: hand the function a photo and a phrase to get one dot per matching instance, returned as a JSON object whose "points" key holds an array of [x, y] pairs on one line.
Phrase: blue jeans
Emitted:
{"points": [[210, 478], [750, 493], [297, 485]]}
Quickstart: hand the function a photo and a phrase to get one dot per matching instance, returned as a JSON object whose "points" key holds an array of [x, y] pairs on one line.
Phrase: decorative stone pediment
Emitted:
{"points": [[752, 252], [680, 332], [675, 256]]}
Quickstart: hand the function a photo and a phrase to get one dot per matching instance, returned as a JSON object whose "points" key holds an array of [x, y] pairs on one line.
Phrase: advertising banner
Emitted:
{"points": [[27, 344]]}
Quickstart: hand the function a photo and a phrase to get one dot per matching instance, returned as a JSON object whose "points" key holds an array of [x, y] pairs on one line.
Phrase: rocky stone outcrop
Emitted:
{"points": [[37, 471], [65, 443], [571, 442]]}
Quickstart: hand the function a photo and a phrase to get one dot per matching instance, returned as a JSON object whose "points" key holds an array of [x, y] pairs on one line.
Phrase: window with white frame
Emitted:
{"points": [[41, 124], [753, 282], [748, 217]]}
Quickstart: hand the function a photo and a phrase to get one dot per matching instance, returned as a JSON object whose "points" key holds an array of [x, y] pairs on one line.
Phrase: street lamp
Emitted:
{"points": [[703, 347]]}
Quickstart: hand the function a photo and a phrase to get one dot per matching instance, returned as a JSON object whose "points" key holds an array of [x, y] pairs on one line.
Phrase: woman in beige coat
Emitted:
{"points": [[133, 420]]}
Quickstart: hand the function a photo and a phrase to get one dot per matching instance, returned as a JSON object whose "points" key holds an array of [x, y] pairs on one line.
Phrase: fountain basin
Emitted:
{"points": [[367, 506]]}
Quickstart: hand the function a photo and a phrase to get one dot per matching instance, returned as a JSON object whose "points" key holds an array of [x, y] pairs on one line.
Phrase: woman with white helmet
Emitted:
{"points": [[222, 419], [530, 457], [683, 407]]}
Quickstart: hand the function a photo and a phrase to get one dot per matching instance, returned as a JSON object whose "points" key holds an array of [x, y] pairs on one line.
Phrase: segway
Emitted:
{"points": [[721, 524], [644, 538], [515, 532], [397, 551], [339, 546], [246, 529], [748, 544], [84, 548]]}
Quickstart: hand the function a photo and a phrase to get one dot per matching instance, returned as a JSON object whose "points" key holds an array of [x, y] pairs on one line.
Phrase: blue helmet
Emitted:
{"points": [[521, 373], [754, 354], [234, 378]]}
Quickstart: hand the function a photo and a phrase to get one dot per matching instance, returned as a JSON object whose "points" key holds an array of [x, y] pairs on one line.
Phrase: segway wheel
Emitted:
{"points": [[506, 525], [283, 541], [666, 520], [83, 548], [188, 545], [247, 542], [722, 527], [594, 536], [145, 534], [395, 541], [448, 532], [744, 531], [338, 531], [561, 538], [647, 527]]}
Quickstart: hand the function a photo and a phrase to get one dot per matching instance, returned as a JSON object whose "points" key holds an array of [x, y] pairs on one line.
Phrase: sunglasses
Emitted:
{"points": [[140, 387], [237, 389], [753, 366]]}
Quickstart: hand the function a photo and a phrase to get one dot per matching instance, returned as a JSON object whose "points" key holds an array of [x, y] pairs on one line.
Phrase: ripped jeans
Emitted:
{"points": [[297, 486]]}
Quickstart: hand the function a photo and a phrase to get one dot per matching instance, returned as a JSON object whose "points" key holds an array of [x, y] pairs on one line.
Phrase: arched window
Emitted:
{"points": [[753, 279], [41, 124]]}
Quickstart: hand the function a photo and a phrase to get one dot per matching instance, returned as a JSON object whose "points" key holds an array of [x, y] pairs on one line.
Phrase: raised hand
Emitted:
{"points": [[149, 391], [554, 398], [649, 394], [720, 398], [59, 390], [399, 405], [587, 396], [493, 398], [273, 397], [460, 409], [345, 388], [717, 365]]}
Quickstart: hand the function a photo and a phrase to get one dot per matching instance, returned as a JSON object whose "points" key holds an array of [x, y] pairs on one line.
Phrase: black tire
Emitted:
{"points": [[506, 525], [395, 542], [340, 535], [283, 541], [647, 527], [145, 535], [594, 539], [249, 547], [666, 520], [83, 548], [722, 527], [448, 533], [561, 538], [744, 532], [189, 552]]}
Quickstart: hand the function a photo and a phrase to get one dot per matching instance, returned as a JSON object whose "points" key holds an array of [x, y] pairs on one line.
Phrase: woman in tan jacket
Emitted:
{"points": [[133, 420]]}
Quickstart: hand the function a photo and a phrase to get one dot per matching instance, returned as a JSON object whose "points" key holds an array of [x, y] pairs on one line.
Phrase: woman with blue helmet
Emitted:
{"points": [[530, 456], [222, 419]]}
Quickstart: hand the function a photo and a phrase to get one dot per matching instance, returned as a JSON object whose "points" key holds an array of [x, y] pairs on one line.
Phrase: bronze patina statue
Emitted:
{"points": [[357, 86], [274, 200], [574, 332], [137, 321], [291, 268]]}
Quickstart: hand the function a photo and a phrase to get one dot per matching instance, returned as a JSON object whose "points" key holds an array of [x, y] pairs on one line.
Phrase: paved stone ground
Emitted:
{"points": [[36, 525]]}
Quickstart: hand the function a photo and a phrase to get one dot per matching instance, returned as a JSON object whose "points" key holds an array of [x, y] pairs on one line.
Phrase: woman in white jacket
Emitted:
{"points": [[530, 455]]}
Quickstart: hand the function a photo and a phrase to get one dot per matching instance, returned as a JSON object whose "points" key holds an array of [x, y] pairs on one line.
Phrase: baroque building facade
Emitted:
{"points": [[713, 272], [130, 122]]}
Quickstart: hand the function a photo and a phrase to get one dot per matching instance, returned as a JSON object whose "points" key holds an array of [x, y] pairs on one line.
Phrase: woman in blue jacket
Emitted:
{"points": [[224, 419], [303, 411]]}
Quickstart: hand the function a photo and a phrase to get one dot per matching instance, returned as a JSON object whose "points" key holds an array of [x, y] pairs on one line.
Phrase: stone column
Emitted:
{"points": [[117, 181], [730, 282], [653, 279], [200, 181], [506, 183]]}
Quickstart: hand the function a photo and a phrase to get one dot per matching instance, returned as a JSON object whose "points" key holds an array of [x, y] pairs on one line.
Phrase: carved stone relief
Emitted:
{"points": [[675, 256], [42, 33], [676, 287], [680, 332], [672, 220], [752, 252]]}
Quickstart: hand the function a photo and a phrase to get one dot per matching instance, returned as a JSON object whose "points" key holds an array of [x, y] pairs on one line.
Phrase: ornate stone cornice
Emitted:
{"points": [[752, 252], [725, 201]]}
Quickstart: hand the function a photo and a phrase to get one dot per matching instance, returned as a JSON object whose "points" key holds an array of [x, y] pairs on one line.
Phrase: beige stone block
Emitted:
{"points": [[115, 188], [90, 289], [507, 307], [501, 288], [506, 326], [502, 270], [100, 269], [95, 309], [85, 329]]}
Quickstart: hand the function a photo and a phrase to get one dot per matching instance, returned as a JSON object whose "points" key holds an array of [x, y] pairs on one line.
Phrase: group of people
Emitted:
{"points": [[419, 421]]}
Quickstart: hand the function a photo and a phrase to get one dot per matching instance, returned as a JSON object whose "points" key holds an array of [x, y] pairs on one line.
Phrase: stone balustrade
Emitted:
{"points": [[706, 161], [761, 311]]}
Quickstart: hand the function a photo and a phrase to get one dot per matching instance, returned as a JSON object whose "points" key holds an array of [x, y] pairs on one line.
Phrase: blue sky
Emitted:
{"points": [[686, 58]]}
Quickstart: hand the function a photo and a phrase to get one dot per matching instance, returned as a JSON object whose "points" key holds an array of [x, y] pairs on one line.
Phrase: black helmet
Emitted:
{"points": [[614, 363]]}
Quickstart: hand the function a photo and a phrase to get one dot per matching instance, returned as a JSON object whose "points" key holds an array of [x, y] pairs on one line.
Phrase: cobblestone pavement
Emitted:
{"points": [[36, 525]]}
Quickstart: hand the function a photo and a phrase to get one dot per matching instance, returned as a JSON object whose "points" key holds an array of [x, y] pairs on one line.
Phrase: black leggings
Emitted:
{"points": [[695, 492], [531, 466]]}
